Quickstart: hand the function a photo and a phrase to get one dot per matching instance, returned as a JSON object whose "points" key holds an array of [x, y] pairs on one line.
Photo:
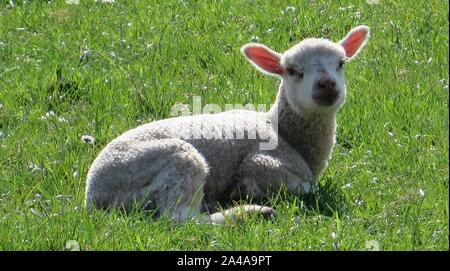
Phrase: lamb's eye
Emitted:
{"points": [[341, 64], [294, 72], [291, 71]]}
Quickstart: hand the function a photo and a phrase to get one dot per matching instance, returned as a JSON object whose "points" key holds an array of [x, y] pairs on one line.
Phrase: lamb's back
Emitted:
{"points": [[218, 137]]}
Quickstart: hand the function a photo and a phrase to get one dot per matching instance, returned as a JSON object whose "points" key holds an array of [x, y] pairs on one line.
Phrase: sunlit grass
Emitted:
{"points": [[127, 63]]}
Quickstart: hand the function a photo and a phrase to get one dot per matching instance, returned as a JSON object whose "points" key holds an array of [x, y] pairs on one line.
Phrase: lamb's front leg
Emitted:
{"points": [[264, 172]]}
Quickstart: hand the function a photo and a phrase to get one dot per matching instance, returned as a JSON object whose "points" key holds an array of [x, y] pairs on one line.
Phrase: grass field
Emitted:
{"points": [[130, 61]]}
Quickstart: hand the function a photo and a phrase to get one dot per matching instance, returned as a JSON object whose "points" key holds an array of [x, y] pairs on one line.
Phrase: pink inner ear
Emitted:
{"points": [[354, 42], [264, 59]]}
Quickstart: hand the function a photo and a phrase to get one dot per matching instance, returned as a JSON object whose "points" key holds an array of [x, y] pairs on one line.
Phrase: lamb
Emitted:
{"points": [[187, 166]]}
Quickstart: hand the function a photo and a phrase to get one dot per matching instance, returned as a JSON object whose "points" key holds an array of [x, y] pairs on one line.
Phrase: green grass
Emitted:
{"points": [[147, 55]]}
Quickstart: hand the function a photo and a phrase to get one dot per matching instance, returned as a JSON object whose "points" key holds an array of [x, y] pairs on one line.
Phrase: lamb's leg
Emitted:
{"points": [[237, 213], [166, 174], [262, 173]]}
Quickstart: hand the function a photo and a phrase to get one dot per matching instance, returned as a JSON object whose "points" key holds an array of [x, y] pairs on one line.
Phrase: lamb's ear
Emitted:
{"points": [[355, 40], [263, 58]]}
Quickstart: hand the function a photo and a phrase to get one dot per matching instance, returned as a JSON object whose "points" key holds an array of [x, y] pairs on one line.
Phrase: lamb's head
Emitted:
{"points": [[311, 71]]}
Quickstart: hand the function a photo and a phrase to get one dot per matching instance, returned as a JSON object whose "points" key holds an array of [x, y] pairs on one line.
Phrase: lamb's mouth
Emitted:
{"points": [[325, 97]]}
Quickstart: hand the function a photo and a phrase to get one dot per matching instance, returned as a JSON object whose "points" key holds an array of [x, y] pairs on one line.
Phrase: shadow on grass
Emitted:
{"points": [[63, 94], [327, 200]]}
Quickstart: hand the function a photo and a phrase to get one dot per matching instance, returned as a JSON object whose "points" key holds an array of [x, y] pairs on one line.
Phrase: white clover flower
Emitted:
{"points": [[62, 120], [421, 193], [47, 115], [255, 39], [88, 139], [290, 8], [333, 235], [347, 186], [372, 245], [33, 167], [359, 202]]}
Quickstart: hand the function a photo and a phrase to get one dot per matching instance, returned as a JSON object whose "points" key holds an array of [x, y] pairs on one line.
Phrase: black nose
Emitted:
{"points": [[325, 92], [326, 83]]}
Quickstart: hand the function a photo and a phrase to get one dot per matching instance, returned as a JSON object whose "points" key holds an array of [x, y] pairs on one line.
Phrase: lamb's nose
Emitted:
{"points": [[325, 92], [326, 83]]}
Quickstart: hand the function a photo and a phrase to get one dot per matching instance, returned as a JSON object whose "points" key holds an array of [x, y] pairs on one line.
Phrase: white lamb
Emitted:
{"points": [[184, 166]]}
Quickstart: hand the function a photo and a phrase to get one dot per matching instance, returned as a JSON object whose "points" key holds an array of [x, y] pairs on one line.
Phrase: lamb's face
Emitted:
{"points": [[313, 77], [312, 71]]}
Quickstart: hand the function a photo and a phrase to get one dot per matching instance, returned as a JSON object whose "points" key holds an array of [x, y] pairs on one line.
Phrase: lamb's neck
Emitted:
{"points": [[311, 134]]}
